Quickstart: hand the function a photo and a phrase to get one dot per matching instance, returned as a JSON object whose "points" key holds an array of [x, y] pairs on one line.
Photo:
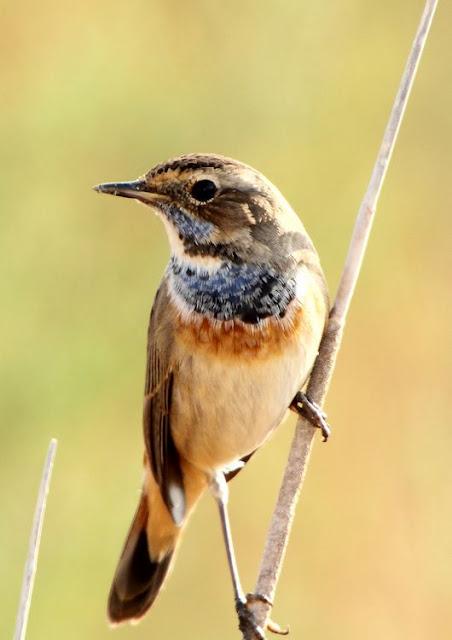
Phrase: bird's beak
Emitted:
{"points": [[136, 189]]}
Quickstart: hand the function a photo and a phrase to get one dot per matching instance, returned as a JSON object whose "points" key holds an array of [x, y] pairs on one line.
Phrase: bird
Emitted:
{"points": [[233, 334]]}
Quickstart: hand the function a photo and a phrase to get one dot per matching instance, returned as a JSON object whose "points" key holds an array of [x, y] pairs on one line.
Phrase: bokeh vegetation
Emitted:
{"points": [[96, 91]]}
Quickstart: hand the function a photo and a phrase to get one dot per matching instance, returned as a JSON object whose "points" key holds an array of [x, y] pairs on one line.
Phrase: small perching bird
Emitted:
{"points": [[233, 335]]}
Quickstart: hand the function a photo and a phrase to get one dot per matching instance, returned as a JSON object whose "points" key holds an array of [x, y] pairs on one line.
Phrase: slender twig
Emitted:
{"points": [[283, 514], [33, 549]]}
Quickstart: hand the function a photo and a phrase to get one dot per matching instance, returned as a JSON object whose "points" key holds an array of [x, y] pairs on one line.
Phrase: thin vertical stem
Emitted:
{"points": [[33, 548]]}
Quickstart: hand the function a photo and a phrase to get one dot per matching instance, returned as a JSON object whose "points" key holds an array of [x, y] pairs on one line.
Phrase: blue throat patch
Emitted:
{"points": [[249, 292], [191, 229]]}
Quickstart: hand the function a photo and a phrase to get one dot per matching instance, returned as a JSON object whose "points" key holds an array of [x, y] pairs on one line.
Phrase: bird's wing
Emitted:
{"points": [[160, 373]]}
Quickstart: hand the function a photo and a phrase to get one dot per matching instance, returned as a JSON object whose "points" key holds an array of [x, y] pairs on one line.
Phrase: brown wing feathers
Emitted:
{"points": [[160, 447]]}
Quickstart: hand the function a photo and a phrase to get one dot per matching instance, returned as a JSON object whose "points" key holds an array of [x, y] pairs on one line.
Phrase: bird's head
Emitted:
{"points": [[216, 207]]}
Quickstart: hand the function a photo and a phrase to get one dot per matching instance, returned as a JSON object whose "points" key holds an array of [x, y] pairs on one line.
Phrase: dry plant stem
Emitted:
{"points": [[33, 549], [283, 514]]}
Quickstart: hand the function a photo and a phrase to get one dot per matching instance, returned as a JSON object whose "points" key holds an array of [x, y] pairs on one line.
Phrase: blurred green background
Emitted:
{"points": [[97, 91]]}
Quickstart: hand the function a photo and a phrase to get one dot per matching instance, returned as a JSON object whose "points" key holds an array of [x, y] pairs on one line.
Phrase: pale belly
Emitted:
{"points": [[224, 409]]}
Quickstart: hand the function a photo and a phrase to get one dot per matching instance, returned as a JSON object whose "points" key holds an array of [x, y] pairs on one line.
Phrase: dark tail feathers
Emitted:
{"points": [[138, 578]]}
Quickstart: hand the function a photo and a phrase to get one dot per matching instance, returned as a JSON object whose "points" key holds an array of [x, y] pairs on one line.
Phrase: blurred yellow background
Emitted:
{"points": [[97, 91]]}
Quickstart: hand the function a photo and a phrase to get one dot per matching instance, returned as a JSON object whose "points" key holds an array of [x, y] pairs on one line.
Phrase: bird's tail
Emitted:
{"points": [[146, 557]]}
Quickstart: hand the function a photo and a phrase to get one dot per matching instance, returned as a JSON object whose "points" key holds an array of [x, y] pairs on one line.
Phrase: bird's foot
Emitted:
{"points": [[305, 407], [247, 623]]}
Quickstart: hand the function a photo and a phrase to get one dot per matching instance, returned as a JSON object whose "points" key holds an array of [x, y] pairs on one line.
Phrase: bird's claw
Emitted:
{"points": [[258, 597], [276, 629], [247, 622], [305, 407]]}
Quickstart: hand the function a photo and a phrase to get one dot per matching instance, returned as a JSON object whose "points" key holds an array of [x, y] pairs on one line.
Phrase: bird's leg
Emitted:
{"points": [[221, 494], [247, 624], [305, 407]]}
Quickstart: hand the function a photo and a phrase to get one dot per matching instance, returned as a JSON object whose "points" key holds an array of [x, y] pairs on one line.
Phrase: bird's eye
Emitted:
{"points": [[203, 190]]}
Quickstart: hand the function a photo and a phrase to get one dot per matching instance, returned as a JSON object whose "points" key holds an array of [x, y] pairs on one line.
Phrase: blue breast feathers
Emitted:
{"points": [[249, 292]]}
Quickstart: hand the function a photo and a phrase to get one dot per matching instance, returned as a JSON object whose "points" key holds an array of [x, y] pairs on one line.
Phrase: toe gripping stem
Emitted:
{"points": [[247, 623], [305, 407]]}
